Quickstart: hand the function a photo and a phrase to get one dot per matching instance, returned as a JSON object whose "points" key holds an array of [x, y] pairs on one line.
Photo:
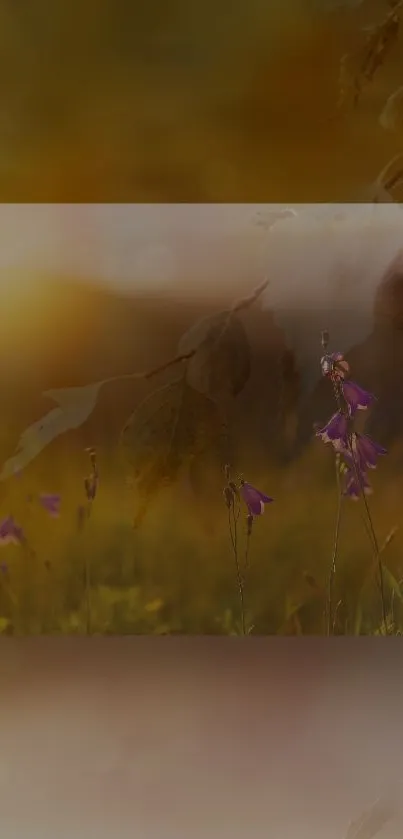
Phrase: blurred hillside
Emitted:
{"points": [[173, 571], [72, 333]]}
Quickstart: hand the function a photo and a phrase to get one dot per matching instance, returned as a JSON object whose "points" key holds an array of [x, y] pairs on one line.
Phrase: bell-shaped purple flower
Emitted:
{"points": [[356, 482], [254, 499], [10, 532], [356, 397], [366, 451], [335, 431], [51, 503]]}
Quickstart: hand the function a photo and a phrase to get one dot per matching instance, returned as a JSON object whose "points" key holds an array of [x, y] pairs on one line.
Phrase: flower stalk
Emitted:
{"points": [[355, 454]]}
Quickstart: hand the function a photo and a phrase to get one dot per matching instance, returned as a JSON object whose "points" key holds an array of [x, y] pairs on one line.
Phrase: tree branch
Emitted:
{"points": [[239, 305]]}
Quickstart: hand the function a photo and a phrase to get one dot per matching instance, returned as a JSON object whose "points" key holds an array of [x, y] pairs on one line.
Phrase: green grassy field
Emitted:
{"points": [[175, 572]]}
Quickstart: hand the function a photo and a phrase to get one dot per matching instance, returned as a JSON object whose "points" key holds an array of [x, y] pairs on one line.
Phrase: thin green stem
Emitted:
{"points": [[373, 538], [234, 541], [88, 596], [247, 549], [87, 584], [332, 568]]}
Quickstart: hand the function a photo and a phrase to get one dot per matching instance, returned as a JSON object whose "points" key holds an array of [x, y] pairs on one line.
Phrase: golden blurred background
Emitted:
{"points": [[117, 101], [155, 555]]}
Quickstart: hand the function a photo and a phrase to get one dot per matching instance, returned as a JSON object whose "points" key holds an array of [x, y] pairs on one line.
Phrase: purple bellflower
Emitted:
{"points": [[335, 367], [51, 503], [356, 462], [355, 482], [358, 451], [356, 398], [10, 532], [365, 451], [335, 430], [254, 499]]}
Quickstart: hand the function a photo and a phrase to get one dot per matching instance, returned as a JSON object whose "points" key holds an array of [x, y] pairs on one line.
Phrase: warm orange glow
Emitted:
{"points": [[41, 319]]}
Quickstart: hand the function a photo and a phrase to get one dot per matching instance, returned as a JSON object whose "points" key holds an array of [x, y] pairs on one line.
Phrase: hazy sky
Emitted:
{"points": [[326, 259], [153, 245]]}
